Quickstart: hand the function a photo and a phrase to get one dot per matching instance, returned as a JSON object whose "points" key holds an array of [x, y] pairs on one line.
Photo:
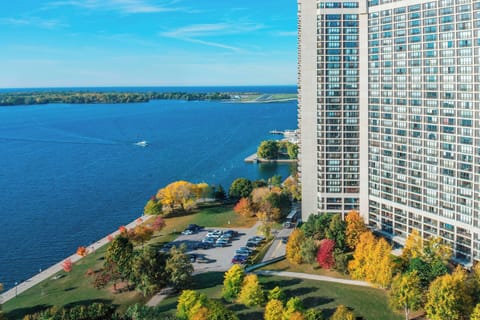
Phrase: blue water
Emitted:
{"points": [[70, 174]]}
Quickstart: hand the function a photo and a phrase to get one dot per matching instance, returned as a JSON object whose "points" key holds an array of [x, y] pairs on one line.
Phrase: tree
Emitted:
{"points": [[342, 313], [275, 181], [178, 194], [336, 231], [361, 256], [475, 313], [240, 188], [219, 193], [158, 224], [294, 305], [312, 314], [232, 283], [406, 293], [244, 208], [294, 245], [217, 311], [153, 207], [148, 271], [187, 300], [120, 254], [308, 250], [325, 254], [67, 265], [355, 226], [274, 310], [413, 246], [179, 268], [82, 251], [292, 186], [449, 297], [251, 293], [317, 225], [276, 293], [292, 150], [140, 234], [268, 150], [426, 272]]}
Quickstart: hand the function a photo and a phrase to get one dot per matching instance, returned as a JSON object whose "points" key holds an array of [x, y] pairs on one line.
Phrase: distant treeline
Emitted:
{"points": [[29, 98]]}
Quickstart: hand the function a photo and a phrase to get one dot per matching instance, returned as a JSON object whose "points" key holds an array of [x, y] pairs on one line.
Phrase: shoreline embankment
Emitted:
{"points": [[51, 271]]}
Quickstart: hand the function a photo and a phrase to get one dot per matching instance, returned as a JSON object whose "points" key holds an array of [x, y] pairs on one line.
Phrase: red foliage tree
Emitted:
{"points": [[82, 251], [67, 265], [325, 254], [122, 229], [110, 238], [158, 224]]}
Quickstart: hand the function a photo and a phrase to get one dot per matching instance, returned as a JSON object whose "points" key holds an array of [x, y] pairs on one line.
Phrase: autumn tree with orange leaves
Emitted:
{"points": [[355, 227], [244, 208], [82, 251], [67, 265]]}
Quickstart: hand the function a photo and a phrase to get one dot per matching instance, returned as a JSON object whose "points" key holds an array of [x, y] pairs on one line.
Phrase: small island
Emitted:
{"points": [[90, 97]]}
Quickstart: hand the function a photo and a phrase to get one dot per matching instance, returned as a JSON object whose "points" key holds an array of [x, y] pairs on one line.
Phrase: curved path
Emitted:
{"points": [[307, 276], [12, 293]]}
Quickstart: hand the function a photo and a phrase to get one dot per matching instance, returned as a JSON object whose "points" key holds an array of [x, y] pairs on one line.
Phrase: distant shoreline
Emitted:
{"points": [[82, 97]]}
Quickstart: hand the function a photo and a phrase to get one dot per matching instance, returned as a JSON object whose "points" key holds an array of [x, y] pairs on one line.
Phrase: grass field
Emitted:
{"points": [[367, 303], [75, 287], [284, 265]]}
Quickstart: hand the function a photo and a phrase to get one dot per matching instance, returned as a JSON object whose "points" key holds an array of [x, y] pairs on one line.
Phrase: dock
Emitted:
{"points": [[254, 159]]}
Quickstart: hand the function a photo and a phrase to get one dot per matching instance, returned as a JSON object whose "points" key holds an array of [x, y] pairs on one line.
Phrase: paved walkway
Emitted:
{"points": [[10, 294], [277, 248], [313, 277]]}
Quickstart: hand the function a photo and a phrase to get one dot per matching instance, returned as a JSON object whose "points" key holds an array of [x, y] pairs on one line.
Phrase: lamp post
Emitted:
{"points": [[16, 288]]}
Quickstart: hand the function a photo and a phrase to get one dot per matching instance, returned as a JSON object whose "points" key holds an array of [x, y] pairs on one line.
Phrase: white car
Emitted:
{"points": [[187, 232], [214, 234]]}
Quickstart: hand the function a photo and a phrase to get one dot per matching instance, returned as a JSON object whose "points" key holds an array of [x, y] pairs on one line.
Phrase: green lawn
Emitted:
{"points": [[76, 288], [368, 303], [284, 265]]}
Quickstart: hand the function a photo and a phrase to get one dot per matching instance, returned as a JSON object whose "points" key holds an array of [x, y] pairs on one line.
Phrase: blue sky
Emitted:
{"points": [[63, 43]]}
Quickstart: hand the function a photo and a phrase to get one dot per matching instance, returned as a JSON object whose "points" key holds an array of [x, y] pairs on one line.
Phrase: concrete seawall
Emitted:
{"points": [[254, 159]]}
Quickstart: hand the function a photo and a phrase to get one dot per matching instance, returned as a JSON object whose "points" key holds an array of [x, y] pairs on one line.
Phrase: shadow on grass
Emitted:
{"points": [[251, 315], [207, 280], [312, 302], [22, 312], [237, 307], [88, 302], [167, 307], [300, 291], [70, 289], [284, 283], [327, 313]]}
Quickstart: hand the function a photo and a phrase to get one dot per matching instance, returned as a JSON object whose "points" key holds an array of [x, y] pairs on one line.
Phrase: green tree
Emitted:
{"points": [[179, 268], [274, 310], [312, 314], [336, 231], [308, 251], [342, 313], [449, 297], [293, 305], [148, 271], [153, 207], [294, 246], [268, 150], [317, 225], [232, 283], [275, 181], [292, 150], [251, 293], [406, 293], [218, 311], [120, 254], [277, 293], [219, 193], [427, 272], [240, 188]]}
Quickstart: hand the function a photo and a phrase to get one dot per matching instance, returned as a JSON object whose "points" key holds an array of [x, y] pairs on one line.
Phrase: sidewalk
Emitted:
{"points": [[313, 277], [10, 294]]}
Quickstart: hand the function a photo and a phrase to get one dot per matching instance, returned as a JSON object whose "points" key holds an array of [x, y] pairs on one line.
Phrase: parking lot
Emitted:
{"points": [[216, 258]]}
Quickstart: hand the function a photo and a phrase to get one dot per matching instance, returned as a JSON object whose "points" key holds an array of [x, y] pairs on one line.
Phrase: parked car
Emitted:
{"points": [[226, 237], [238, 259], [251, 244], [243, 252], [194, 227], [203, 259], [214, 234], [210, 240], [188, 231], [205, 245], [192, 257], [247, 249], [221, 243], [232, 233]]}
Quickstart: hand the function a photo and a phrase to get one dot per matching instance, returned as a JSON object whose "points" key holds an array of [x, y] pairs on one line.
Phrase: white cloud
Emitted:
{"points": [[35, 22], [122, 6]]}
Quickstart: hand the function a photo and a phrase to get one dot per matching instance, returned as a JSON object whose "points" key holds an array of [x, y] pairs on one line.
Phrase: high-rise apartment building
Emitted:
{"points": [[389, 111]]}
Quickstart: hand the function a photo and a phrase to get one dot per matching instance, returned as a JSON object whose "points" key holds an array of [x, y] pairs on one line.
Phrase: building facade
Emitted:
{"points": [[389, 110]]}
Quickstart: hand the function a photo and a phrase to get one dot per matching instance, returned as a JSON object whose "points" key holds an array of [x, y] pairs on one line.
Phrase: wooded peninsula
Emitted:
{"points": [[84, 97], [76, 97]]}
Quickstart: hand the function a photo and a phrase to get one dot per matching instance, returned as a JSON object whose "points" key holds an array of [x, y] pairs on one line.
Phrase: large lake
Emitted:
{"points": [[70, 174]]}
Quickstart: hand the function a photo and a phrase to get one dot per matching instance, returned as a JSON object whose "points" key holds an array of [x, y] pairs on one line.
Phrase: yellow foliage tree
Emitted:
{"points": [[342, 313], [413, 246], [182, 194], [372, 260], [355, 227], [475, 313], [294, 245], [449, 297], [358, 267], [251, 293], [274, 310], [297, 315]]}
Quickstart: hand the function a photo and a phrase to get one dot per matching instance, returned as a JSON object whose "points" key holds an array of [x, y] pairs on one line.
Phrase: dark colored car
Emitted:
{"points": [[238, 259]]}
